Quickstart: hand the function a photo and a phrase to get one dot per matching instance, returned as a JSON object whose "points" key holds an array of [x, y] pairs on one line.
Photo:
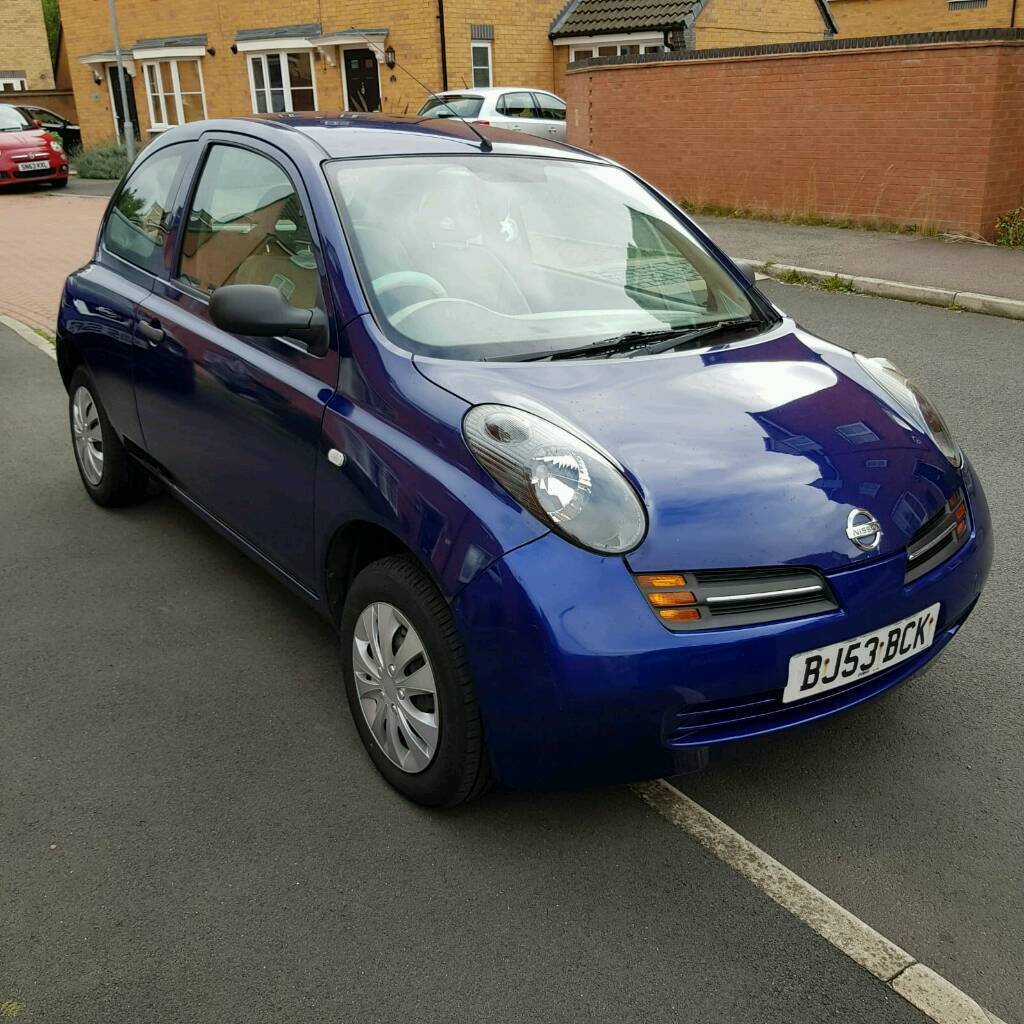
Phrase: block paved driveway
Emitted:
{"points": [[44, 236], [191, 831]]}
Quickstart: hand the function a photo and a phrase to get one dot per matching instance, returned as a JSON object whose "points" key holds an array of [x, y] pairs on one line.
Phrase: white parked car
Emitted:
{"points": [[518, 108]]}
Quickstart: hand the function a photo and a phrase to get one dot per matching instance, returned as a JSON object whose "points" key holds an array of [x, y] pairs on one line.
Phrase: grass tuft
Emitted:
{"points": [[835, 283]]}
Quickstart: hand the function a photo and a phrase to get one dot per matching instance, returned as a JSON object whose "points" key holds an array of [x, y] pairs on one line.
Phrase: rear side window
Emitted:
{"points": [[247, 226], [137, 227], [551, 109], [517, 104], [452, 106]]}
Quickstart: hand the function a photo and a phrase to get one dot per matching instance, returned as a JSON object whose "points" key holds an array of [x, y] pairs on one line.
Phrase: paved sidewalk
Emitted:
{"points": [[958, 265], [31, 283], [45, 236]]}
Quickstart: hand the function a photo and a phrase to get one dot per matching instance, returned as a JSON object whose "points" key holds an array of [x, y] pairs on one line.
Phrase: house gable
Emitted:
{"points": [[752, 22]]}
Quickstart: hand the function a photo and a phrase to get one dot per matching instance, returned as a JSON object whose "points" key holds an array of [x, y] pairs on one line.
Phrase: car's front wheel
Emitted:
{"points": [[409, 687], [110, 475]]}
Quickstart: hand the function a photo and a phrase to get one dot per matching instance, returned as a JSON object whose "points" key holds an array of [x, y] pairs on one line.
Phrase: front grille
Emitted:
{"points": [[736, 597], [724, 720], [938, 539]]}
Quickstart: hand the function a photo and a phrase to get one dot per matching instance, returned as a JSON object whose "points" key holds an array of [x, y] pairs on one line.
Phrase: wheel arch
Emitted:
{"points": [[353, 546], [69, 358]]}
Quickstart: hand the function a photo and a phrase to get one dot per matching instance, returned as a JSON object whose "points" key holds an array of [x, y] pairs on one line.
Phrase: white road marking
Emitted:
{"points": [[35, 340], [929, 992]]}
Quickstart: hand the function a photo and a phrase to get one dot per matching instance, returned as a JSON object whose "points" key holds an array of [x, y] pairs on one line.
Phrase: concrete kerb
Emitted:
{"points": [[974, 302]]}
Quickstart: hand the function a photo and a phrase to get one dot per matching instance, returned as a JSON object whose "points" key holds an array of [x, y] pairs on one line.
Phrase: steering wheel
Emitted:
{"points": [[408, 279]]}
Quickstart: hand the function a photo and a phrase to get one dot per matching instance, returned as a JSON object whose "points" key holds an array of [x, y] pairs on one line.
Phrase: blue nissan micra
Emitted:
{"points": [[581, 502]]}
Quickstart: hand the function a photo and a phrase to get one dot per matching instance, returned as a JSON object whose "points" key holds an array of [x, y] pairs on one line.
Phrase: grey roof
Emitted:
{"points": [[152, 44], [278, 32], [594, 17]]}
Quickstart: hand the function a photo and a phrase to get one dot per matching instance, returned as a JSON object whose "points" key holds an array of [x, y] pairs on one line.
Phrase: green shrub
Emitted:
{"points": [[107, 160], [1010, 228]]}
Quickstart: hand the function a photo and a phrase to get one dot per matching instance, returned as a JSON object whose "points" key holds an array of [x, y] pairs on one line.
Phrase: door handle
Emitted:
{"points": [[151, 332]]}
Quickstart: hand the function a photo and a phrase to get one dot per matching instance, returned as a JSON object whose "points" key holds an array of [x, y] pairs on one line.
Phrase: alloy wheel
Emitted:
{"points": [[395, 685], [88, 435]]}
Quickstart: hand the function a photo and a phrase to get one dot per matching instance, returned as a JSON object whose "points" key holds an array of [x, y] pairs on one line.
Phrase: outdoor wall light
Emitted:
{"points": [[389, 57], [96, 76], [212, 51], [234, 48]]}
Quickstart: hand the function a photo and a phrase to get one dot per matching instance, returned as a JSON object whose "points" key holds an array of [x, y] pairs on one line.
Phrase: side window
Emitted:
{"points": [[246, 226], [517, 104], [137, 226], [551, 109]]}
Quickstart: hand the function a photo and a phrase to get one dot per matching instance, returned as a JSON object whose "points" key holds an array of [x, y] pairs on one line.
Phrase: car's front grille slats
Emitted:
{"points": [[938, 539]]}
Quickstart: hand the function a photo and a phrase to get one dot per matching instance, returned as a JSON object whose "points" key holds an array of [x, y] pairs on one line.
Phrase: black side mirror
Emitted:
{"points": [[261, 311], [747, 271]]}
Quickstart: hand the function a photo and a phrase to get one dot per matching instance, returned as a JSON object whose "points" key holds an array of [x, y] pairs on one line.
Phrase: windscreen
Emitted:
{"points": [[492, 256], [12, 119], [452, 106]]}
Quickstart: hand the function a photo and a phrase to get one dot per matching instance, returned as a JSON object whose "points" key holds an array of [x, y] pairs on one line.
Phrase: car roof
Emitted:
{"points": [[493, 90], [362, 135]]}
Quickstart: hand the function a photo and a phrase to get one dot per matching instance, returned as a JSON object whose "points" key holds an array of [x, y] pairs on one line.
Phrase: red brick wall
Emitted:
{"points": [[925, 135]]}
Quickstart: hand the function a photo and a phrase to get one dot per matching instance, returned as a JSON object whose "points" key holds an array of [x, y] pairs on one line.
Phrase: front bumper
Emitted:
{"points": [[579, 683], [11, 175]]}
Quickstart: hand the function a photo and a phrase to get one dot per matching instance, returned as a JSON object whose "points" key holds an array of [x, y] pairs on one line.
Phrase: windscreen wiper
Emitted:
{"points": [[650, 342]]}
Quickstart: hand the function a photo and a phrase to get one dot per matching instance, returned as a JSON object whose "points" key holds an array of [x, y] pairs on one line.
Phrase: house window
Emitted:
{"points": [[281, 82], [174, 92], [11, 81], [481, 59], [613, 50]]}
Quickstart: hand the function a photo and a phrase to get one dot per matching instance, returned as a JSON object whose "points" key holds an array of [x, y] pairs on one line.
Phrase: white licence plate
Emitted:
{"points": [[826, 668], [34, 165]]}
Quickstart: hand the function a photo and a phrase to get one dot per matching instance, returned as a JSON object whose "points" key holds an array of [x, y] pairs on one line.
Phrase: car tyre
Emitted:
{"points": [[61, 183], [110, 475], [396, 590]]}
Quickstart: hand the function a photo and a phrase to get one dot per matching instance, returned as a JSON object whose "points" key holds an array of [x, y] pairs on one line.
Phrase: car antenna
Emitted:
{"points": [[485, 143]]}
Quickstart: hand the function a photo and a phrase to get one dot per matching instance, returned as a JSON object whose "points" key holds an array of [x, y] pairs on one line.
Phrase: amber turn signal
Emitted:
{"points": [[662, 580], [680, 614], [674, 597]]}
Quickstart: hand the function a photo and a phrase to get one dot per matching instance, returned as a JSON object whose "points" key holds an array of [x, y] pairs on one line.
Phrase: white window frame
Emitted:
{"points": [[162, 123], [282, 54], [18, 82], [488, 45], [641, 39]]}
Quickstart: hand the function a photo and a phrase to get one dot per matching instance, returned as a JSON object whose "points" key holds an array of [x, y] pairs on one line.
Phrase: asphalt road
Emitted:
{"points": [[191, 831], [910, 811]]}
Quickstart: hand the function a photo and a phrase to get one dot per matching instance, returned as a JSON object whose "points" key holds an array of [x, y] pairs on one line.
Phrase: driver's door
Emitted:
{"points": [[235, 421]]}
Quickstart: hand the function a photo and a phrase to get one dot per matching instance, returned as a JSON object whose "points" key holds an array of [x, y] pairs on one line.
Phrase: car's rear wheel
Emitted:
{"points": [[409, 687], [110, 475]]}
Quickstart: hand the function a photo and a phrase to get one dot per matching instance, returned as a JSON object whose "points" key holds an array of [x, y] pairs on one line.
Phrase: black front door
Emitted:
{"points": [[361, 80], [115, 91]]}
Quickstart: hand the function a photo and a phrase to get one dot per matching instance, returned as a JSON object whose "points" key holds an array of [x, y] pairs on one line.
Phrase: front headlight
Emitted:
{"points": [[56, 146], [914, 402], [562, 480]]}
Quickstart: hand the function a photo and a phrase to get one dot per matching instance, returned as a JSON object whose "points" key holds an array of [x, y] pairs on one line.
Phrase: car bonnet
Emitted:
{"points": [[752, 453]]}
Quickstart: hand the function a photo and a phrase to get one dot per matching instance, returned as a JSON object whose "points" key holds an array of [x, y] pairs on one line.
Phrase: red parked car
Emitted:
{"points": [[27, 153]]}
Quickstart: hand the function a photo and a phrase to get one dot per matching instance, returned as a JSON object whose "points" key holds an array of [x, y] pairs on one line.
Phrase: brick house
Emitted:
{"points": [[212, 58], [24, 50], [858, 18], [617, 28]]}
